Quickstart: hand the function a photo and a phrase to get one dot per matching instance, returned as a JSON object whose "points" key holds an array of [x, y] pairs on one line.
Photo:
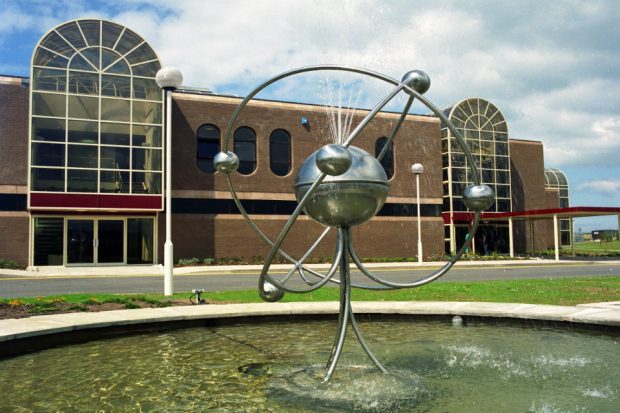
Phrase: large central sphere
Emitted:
{"points": [[348, 199]]}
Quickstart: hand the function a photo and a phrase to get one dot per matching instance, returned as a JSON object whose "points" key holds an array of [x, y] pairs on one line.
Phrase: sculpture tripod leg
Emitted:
{"points": [[345, 312]]}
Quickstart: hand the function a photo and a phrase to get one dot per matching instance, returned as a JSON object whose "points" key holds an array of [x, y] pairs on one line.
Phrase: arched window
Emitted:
{"points": [[96, 119], [245, 148], [207, 146], [388, 160], [280, 152]]}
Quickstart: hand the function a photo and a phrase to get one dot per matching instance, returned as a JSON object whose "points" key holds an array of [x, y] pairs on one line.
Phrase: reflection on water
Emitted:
{"points": [[278, 367]]}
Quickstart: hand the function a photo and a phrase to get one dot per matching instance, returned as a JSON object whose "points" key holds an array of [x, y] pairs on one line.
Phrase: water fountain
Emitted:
{"points": [[341, 186], [468, 365]]}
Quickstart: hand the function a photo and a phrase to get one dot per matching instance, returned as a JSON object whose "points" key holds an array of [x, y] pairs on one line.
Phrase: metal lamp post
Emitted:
{"points": [[169, 79], [417, 169]]}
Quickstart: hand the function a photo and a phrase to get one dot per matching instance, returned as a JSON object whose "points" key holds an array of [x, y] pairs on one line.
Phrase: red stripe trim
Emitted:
{"points": [[96, 201]]}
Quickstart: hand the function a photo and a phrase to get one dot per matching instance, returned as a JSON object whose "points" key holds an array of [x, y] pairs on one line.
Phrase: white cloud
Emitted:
{"points": [[604, 187], [553, 68]]}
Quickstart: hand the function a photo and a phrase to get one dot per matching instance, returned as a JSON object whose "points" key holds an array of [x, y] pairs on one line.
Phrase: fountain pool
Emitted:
{"points": [[434, 366]]}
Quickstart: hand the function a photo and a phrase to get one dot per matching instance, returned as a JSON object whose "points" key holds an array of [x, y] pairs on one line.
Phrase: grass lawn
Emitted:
{"points": [[560, 291], [591, 246]]}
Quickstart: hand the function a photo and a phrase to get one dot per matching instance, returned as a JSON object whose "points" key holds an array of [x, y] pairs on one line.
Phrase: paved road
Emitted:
{"points": [[15, 286]]}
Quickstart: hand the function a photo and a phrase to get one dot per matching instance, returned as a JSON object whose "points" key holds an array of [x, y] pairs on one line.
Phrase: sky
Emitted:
{"points": [[552, 68]]}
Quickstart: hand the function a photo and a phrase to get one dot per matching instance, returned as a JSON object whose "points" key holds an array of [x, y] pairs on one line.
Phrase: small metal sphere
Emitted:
{"points": [[478, 197], [417, 168], [333, 159], [344, 200], [226, 162], [418, 80], [268, 292]]}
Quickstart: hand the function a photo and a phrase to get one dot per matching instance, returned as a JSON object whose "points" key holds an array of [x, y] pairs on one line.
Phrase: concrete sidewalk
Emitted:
{"points": [[59, 271]]}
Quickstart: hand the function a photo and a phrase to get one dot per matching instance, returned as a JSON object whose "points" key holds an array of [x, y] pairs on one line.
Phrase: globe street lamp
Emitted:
{"points": [[417, 170], [169, 79]]}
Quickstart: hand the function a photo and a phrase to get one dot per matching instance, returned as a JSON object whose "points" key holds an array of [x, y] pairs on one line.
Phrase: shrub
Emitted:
{"points": [[10, 265]]}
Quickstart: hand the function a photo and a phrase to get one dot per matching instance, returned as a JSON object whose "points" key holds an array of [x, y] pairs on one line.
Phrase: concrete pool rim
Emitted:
{"points": [[17, 335]]}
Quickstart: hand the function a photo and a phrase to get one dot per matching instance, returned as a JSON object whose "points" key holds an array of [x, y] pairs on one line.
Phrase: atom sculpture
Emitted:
{"points": [[341, 186]]}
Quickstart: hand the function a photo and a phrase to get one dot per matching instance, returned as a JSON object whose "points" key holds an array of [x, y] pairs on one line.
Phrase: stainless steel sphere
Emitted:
{"points": [[333, 159], [348, 199], [268, 292], [418, 80], [226, 162], [478, 197]]}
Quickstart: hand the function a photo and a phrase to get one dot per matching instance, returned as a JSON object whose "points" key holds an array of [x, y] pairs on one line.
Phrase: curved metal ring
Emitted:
{"points": [[277, 244]]}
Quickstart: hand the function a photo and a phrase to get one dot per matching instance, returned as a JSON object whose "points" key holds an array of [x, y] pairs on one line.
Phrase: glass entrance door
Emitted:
{"points": [[110, 237], [80, 241]]}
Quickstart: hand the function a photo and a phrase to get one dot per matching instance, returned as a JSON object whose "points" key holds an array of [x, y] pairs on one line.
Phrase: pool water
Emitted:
{"points": [[278, 367]]}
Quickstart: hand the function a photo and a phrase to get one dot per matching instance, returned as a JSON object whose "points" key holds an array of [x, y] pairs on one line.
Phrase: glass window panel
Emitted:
{"points": [[48, 154], [502, 177], [71, 32], [108, 57], [458, 188], [120, 67], [459, 113], [503, 191], [54, 42], [115, 109], [146, 89], [486, 161], [388, 160], [80, 63], [455, 146], [146, 183], [458, 205], [280, 152], [471, 135], [487, 176], [82, 156], [48, 241], [47, 58], [90, 28], [143, 53], [501, 148], [114, 157], [110, 33], [47, 104], [458, 174], [82, 131], [84, 83], [83, 107], [207, 149], [45, 129], [49, 79], [208, 145], [44, 179], [503, 205], [146, 69], [458, 159], [114, 182], [140, 240], [146, 112], [147, 136], [501, 162], [111, 235], [146, 159], [128, 41], [79, 180], [92, 55], [501, 128], [115, 133], [501, 137], [117, 86]]}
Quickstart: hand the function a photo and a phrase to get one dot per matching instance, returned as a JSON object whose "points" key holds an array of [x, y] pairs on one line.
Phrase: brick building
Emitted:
{"points": [[82, 165]]}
